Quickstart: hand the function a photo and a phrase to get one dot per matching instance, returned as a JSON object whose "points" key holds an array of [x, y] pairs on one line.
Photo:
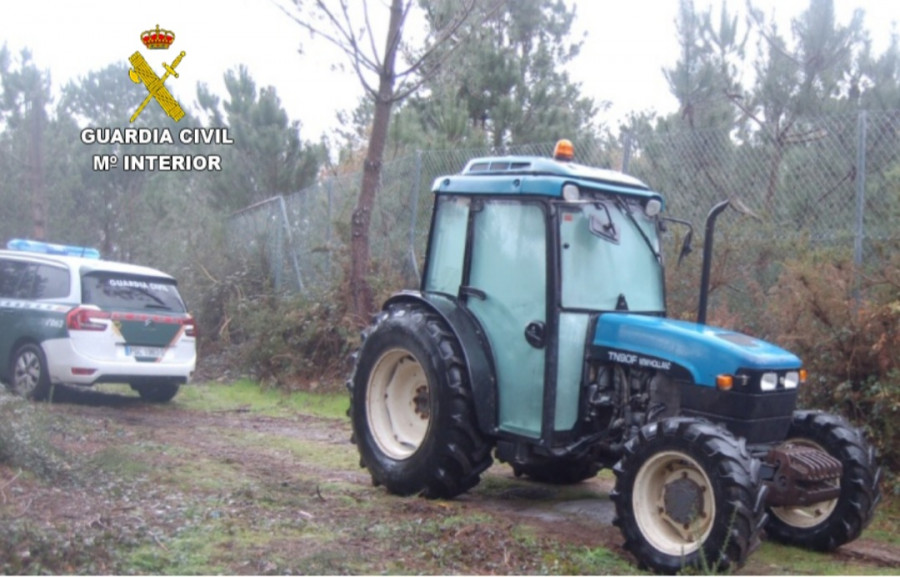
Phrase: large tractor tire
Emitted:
{"points": [[688, 496], [829, 524], [412, 409], [565, 471]]}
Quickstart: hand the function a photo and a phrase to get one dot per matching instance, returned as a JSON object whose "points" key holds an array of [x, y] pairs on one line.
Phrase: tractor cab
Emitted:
{"points": [[534, 249]]}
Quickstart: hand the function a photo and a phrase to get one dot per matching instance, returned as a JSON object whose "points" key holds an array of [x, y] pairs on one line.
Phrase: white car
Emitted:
{"points": [[79, 320]]}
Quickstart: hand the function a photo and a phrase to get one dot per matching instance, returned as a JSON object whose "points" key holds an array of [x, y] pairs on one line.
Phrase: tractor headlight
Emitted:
{"points": [[768, 382], [791, 379]]}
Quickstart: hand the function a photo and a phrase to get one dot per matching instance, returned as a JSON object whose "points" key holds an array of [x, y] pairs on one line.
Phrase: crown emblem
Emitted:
{"points": [[157, 39]]}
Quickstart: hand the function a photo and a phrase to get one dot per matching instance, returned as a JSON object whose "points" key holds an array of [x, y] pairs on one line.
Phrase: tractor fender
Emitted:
{"points": [[475, 347]]}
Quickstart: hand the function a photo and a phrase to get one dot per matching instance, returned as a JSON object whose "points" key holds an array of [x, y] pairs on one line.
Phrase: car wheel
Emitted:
{"points": [[156, 392], [28, 373]]}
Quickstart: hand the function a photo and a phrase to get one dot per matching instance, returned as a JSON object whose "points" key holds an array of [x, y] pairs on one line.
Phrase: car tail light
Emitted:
{"points": [[190, 327], [82, 319]]}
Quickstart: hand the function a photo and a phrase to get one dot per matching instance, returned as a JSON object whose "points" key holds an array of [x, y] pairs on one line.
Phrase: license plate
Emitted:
{"points": [[144, 352]]}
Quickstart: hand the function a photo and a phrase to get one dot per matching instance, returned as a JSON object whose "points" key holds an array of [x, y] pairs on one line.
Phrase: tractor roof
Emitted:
{"points": [[535, 175]]}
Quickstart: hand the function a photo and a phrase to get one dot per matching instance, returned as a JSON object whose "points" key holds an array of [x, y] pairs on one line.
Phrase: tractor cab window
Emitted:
{"points": [[448, 245], [610, 257]]}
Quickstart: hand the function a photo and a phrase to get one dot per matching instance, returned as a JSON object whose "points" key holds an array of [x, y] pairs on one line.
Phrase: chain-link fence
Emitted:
{"points": [[834, 181]]}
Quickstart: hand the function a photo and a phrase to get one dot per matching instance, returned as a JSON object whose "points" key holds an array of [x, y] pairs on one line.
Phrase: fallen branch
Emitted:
{"points": [[7, 484]]}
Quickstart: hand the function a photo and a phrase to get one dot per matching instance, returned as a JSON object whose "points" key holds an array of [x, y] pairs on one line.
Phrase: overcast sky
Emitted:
{"points": [[628, 44]]}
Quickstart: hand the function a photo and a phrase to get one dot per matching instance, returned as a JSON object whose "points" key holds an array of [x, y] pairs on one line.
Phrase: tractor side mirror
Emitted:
{"points": [[686, 245]]}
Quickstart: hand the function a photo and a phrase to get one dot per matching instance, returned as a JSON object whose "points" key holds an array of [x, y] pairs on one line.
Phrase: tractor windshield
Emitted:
{"points": [[610, 257]]}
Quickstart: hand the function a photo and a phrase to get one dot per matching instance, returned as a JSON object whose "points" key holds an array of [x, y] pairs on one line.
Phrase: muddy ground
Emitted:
{"points": [[132, 487]]}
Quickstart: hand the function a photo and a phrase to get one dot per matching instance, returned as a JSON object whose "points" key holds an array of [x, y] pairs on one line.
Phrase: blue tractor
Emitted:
{"points": [[539, 337]]}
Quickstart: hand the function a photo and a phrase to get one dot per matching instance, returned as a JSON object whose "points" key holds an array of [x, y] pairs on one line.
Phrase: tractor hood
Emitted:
{"points": [[703, 351]]}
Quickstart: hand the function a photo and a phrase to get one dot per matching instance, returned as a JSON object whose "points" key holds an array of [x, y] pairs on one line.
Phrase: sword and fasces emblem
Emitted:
{"points": [[142, 72]]}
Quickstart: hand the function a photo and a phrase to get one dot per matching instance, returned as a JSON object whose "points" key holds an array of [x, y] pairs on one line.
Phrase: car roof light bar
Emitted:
{"points": [[25, 245]]}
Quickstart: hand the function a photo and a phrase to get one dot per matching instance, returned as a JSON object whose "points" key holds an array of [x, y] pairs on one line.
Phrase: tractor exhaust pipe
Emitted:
{"points": [[707, 258]]}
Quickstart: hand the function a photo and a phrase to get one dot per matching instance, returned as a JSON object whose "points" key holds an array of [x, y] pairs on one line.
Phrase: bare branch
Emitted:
{"points": [[314, 31], [343, 40], [442, 39], [349, 45], [371, 35], [445, 35], [755, 14], [337, 28], [736, 100]]}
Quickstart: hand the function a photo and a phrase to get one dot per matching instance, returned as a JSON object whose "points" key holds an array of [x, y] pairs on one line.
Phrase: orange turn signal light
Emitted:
{"points": [[724, 382]]}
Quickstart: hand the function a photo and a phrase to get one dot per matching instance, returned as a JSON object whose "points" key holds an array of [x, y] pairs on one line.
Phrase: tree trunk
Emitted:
{"points": [[362, 300]]}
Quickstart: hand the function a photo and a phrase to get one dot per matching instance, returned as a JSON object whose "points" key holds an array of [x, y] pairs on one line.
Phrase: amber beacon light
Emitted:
{"points": [[564, 150]]}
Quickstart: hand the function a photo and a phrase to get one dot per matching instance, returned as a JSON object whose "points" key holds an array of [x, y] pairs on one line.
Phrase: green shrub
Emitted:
{"points": [[293, 342], [25, 438], [844, 324]]}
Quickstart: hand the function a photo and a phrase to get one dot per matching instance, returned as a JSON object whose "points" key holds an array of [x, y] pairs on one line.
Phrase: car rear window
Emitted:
{"points": [[113, 291]]}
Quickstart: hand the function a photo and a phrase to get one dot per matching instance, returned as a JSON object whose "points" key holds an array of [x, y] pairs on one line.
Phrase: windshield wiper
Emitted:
{"points": [[159, 304], [606, 230], [627, 212]]}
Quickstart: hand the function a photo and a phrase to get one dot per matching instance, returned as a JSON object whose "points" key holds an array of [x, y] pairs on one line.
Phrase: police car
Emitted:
{"points": [[68, 317]]}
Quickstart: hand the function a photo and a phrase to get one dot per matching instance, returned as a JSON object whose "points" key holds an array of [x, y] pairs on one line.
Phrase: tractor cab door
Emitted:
{"points": [[506, 290]]}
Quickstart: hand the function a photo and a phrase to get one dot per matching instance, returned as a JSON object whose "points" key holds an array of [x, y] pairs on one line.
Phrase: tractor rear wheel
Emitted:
{"points": [[411, 407], [829, 524], [688, 495]]}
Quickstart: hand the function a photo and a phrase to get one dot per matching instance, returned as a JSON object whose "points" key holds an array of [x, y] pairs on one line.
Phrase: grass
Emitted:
{"points": [[886, 525], [326, 456], [248, 396], [774, 558]]}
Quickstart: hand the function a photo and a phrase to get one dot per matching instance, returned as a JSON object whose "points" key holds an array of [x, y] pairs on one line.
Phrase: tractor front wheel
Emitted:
{"points": [[411, 407], [829, 524], [688, 495]]}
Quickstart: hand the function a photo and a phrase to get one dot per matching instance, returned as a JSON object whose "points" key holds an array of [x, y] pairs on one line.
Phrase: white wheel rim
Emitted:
{"points": [[673, 503], [807, 516], [27, 373], [397, 404]]}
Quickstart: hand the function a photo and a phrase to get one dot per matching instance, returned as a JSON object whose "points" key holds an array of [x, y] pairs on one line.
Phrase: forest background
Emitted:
{"points": [[798, 127]]}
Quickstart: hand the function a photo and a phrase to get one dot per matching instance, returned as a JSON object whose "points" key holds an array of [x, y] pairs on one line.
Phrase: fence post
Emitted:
{"points": [[626, 154], [861, 125], [330, 183], [860, 186], [290, 243], [276, 255], [413, 219]]}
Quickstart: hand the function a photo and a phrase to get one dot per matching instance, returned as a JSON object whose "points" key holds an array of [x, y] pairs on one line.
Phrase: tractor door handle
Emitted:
{"points": [[536, 334]]}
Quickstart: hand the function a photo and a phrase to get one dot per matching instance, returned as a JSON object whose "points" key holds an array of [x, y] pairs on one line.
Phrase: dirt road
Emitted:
{"points": [[138, 488]]}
